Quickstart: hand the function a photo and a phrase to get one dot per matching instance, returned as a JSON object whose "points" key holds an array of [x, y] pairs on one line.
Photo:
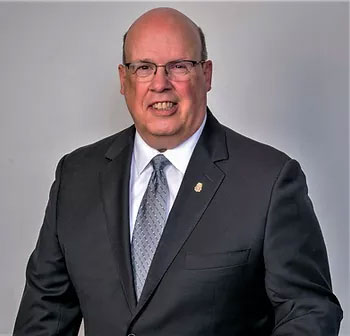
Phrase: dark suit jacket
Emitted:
{"points": [[243, 257]]}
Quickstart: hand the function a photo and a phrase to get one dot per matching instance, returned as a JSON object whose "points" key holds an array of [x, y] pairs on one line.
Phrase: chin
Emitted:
{"points": [[164, 130]]}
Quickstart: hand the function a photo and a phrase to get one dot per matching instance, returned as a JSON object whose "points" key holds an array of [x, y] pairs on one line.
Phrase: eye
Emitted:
{"points": [[180, 66], [144, 67]]}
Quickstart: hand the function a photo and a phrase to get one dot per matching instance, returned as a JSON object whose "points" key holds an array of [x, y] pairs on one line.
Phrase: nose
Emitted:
{"points": [[160, 81]]}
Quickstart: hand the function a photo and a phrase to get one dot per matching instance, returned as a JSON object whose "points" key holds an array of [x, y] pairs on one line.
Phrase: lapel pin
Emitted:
{"points": [[198, 187]]}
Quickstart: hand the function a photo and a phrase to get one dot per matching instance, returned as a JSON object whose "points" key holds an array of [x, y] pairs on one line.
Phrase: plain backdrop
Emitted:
{"points": [[280, 76]]}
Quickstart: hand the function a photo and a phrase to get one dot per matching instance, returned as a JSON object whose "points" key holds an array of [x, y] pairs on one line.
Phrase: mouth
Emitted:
{"points": [[163, 105]]}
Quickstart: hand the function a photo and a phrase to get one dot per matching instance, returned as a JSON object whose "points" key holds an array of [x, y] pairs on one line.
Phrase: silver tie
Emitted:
{"points": [[150, 222]]}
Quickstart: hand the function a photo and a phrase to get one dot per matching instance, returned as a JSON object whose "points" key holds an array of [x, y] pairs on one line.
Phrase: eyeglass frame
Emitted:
{"points": [[194, 63]]}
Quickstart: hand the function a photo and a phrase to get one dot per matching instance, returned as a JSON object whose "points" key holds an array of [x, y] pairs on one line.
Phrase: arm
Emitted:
{"points": [[49, 304], [297, 276]]}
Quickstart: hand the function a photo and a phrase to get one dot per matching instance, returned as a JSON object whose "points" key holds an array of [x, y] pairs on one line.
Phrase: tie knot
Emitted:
{"points": [[159, 162]]}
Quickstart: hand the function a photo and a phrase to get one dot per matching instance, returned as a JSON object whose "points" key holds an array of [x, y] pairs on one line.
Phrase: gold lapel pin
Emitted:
{"points": [[198, 187]]}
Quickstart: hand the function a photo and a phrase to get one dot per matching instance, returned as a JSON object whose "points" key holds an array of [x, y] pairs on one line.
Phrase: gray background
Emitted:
{"points": [[280, 76]]}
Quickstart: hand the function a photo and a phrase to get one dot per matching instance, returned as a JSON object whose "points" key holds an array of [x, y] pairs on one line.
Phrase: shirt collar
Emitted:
{"points": [[178, 156]]}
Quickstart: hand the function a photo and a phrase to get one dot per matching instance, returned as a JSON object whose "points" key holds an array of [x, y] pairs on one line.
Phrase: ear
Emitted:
{"points": [[122, 78], [208, 70]]}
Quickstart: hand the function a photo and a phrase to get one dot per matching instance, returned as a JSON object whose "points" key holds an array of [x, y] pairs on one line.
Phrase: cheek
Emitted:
{"points": [[194, 99], [135, 95], [131, 88], [187, 93]]}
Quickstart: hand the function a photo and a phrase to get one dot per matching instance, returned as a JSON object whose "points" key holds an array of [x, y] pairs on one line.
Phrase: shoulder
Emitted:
{"points": [[238, 149], [252, 150], [252, 159], [94, 155]]}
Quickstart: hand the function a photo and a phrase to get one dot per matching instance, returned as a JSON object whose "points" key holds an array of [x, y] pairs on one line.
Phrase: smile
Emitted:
{"points": [[167, 105]]}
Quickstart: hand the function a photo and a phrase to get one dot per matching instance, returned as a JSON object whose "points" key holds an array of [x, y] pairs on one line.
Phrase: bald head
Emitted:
{"points": [[166, 109], [165, 17]]}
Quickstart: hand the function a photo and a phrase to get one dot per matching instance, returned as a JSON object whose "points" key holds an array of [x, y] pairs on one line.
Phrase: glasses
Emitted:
{"points": [[175, 70]]}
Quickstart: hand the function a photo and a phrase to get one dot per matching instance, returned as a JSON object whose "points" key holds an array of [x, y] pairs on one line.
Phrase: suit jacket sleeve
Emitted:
{"points": [[49, 304], [297, 276]]}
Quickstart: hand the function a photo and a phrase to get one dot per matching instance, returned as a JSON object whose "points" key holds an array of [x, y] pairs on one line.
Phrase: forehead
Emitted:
{"points": [[162, 40]]}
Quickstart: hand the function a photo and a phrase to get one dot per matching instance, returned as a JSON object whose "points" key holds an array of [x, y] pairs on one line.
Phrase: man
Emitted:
{"points": [[177, 225]]}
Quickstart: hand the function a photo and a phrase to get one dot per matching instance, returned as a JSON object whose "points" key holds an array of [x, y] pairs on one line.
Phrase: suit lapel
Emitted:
{"points": [[115, 194], [190, 204]]}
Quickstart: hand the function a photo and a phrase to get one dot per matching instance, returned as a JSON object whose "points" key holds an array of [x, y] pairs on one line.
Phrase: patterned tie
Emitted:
{"points": [[150, 222]]}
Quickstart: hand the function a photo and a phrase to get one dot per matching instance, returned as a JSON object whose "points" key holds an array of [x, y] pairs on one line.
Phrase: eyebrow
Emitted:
{"points": [[144, 60], [147, 60]]}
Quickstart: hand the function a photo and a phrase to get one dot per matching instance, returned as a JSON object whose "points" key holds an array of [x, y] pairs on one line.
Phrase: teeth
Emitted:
{"points": [[163, 105]]}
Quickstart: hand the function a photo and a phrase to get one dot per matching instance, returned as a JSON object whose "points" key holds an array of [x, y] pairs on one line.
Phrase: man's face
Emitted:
{"points": [[165, 126]]}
